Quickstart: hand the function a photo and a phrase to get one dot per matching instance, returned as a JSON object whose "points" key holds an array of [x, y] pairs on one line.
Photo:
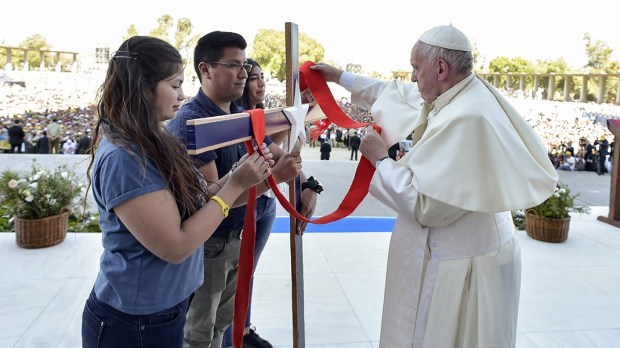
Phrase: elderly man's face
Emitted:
{"points": [[425, 74]]}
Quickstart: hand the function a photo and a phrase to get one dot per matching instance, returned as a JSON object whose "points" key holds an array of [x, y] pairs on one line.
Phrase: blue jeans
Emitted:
{"points": [[265, 217], [104, 326]]}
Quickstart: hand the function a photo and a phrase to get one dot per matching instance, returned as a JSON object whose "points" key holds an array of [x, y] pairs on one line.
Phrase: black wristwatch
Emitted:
{"points": [[312, 184]]}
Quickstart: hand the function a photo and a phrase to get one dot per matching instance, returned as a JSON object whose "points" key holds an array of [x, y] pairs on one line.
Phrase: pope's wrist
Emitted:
{"points": [[380, 160]]}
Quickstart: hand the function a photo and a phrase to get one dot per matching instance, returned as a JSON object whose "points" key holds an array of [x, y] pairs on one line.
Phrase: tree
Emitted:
{"points": [[354, 68], [131, 31], [598, 54], [477, 56], [37, 46], [34, 44], [402, 75], [377, 75], [182, 38], [599, 61], [164, 24], [184, 41], [268, 49], [558, 67], [514, 65]]}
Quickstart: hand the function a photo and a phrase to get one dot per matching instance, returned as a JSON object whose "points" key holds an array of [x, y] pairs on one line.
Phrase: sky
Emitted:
{"points": [[376, 34]]}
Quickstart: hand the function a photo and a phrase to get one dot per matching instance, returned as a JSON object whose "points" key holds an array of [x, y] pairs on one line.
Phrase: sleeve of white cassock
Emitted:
{"points": [[393, 185], [366, 90]]}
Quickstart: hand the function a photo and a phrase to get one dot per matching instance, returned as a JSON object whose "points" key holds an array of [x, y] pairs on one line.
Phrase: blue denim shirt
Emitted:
{"points": [[201, 106]]}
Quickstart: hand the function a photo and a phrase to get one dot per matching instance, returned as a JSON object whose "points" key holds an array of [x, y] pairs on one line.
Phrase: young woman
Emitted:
{"points": [[155, 212]]}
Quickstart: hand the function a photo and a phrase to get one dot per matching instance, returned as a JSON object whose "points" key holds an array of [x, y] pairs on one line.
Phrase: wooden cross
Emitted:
{"points": [[211, 133]]}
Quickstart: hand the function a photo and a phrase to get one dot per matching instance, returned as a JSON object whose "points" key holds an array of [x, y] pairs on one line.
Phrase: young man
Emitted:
{"points": [[16, 137], [221, 66], [454, 265]]}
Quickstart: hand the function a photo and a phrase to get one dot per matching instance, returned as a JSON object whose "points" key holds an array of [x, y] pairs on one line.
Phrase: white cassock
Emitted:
{"points": [[454, 264]]}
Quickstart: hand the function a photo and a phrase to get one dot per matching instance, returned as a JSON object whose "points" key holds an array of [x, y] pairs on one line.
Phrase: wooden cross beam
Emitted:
{"points": [[211, 133]]}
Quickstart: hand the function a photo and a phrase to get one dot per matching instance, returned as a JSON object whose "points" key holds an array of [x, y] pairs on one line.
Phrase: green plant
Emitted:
{"points": [[41, 193], [5, 219], [559, 204], [518, 218], [88, 222]]}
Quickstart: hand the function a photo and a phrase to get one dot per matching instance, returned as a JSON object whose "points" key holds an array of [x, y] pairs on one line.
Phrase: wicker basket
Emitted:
{"points": [[41, 233], [546, 229]]}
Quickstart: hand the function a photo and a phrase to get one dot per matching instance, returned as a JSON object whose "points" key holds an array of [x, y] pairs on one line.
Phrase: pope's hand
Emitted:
{"points": [[372, 147], [330, 73]]}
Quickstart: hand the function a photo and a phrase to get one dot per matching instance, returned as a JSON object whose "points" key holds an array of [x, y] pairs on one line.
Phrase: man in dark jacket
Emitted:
{"points": [[83, 146], [354, 142], [326, 149], [603, 151], [16, 137], [43, 144]]}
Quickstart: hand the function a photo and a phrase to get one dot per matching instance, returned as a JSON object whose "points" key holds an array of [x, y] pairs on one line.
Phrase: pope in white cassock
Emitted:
{"points": [[454, 264]]}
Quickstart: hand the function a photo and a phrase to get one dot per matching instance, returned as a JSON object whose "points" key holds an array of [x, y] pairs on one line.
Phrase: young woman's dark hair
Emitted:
{"points": [[129, 120]]}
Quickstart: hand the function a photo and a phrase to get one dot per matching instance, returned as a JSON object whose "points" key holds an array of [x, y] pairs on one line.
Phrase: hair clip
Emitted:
{"points": [[125, 55]]}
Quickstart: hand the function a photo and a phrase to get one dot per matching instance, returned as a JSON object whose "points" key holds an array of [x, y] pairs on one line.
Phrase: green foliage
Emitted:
{"points": [[5, 219], [40, 193], [184, 41], [182, 38], [518, 218], [377, 75], [269, 50], [84, 223], [598, 53], [559, 204], [354, 68], [77, 222], [34, 44], [164, 24], [513, 65], [478, 65], [558, 66], [131, 31]]}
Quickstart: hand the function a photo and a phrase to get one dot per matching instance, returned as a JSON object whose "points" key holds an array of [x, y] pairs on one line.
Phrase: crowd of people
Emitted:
{"points": [[36, 105]]}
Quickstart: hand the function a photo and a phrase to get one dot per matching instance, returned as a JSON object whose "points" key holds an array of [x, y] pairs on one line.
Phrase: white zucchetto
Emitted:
{"points": [[446, 36]]}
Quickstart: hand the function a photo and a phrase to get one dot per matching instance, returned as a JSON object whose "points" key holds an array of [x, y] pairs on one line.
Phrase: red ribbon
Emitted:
{"points": [[358, 190], [246, 254], [320, 126]]}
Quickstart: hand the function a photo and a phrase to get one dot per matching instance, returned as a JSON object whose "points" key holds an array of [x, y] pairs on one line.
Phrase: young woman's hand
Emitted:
{"points": [[266, 151], [250, 171]]}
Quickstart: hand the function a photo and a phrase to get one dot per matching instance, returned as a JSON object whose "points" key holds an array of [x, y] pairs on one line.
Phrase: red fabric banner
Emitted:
{"points": [[358, 190]]}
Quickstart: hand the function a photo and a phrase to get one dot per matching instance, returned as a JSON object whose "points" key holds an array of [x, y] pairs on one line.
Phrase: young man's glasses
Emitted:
{"points": [[246, 67]]}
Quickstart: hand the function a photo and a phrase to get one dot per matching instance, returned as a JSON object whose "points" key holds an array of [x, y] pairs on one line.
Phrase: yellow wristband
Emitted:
{"points": [[225, 207]]}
